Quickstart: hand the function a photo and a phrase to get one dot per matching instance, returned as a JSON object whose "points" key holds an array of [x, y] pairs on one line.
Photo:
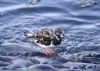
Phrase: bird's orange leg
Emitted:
{"points": [[48, 51]]}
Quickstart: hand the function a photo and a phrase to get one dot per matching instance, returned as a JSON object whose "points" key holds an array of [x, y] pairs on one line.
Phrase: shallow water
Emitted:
{"points": [[80, 50]]}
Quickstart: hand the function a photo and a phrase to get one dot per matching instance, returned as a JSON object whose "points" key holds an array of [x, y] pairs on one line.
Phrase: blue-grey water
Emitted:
{"points": [[80, 50]]}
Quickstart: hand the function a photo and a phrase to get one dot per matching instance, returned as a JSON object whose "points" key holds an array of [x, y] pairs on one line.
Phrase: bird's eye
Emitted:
{"points": [[37, 41]]}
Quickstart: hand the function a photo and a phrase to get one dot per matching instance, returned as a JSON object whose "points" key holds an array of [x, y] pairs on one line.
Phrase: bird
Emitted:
{"points": [[46, 38], [32, 2]]}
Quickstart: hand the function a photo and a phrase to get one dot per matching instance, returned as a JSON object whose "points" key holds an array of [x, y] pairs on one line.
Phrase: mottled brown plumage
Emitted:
{"points": [[47, 36]]}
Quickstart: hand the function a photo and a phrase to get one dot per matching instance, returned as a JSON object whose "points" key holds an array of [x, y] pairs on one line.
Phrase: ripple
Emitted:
{"points": [[42, 67], [78, 52]]}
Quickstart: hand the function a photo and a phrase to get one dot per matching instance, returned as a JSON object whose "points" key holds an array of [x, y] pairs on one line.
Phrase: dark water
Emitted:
{"points": [[80, 50]]}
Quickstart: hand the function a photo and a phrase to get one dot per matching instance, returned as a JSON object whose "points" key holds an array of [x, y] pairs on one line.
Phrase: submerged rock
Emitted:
{"points": [[34, 61], [85, 3], [81, 65], [32, 2], [17, 50], [86, 57]]}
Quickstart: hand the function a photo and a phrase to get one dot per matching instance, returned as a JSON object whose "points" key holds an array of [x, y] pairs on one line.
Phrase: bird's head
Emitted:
{"points": [[59, 32]]}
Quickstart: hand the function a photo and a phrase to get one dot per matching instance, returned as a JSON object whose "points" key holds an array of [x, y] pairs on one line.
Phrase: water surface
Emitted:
{"points": [[80, 50]]}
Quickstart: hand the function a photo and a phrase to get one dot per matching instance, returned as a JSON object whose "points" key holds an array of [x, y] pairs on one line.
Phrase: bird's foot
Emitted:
{"points": [[48, 51]]}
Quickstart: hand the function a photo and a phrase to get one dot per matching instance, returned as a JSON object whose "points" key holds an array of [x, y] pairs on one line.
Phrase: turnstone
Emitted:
{"points": [[46, 38], [32, 2]]}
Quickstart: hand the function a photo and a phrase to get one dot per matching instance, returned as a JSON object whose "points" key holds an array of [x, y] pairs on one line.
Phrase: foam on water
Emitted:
{"points": [[15, 7], [12, 8]]}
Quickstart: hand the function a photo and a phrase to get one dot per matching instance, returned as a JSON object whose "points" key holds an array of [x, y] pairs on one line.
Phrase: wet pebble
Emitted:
{"points": [[92, 67], [60, 59], [59, 66], [34, 61]]}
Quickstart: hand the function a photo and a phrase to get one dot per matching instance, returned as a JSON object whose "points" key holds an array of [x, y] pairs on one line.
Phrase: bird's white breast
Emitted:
{"points": [[41, 45]]}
